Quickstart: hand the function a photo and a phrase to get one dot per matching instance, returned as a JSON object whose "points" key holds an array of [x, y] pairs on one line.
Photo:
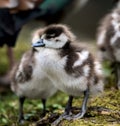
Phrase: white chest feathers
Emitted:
{"points": [[39, 86], [54, 66]]}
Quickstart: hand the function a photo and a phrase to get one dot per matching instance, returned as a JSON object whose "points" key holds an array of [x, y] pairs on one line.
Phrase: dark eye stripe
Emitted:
{"points": [[48, 37], [53, 30]]}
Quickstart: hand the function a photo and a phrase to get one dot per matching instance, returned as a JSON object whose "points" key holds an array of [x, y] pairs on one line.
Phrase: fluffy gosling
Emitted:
{"points": [[28, 80], [72, 69]]}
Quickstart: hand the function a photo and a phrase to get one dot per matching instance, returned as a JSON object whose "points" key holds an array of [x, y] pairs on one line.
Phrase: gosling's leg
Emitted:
{"points": [[83, 109], [68, 106], [21, 115], [66, 114], [44, 107], [84, 106]]}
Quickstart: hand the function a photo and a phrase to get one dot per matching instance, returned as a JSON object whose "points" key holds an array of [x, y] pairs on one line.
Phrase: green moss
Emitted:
{"points": [[102, 110]]}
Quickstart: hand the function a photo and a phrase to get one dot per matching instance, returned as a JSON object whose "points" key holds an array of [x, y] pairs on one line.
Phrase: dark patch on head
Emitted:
{"points": [[53, 31]]}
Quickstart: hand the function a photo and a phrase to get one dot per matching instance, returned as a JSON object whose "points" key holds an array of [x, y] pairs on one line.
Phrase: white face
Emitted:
{"points": [[52, 41], [55, 42]]}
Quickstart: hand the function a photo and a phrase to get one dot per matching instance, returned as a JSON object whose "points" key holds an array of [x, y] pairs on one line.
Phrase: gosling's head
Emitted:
{"points": [[53, 36]]}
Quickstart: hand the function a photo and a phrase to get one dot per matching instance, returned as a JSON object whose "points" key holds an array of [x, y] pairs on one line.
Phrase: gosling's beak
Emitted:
{"points": [[40, 43]]}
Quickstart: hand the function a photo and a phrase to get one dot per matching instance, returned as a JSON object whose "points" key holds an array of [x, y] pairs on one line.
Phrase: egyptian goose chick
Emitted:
{"points": [[72, 69], [108, 40], [29, 81]]}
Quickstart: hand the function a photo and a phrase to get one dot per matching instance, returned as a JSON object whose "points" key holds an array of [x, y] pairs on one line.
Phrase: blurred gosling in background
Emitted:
{"points": [[108, 40]]}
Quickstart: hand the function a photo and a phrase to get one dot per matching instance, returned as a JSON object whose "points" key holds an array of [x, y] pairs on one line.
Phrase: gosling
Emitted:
{"points": [[108, 40], [28, 80], [72, 69]]}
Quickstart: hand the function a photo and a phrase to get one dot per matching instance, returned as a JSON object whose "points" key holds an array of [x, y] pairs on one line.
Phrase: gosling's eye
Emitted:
{"points": [[57, 40]]}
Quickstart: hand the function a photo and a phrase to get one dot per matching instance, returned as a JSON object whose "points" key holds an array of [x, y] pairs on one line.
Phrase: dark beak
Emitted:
{"points": [[38, 44]]}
